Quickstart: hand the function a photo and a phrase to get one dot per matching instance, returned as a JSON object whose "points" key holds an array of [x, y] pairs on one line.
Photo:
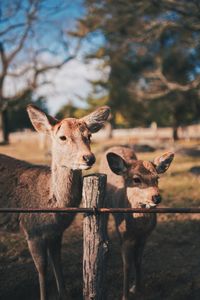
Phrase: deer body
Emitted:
{"points": [[31, 186], [132, 183]]}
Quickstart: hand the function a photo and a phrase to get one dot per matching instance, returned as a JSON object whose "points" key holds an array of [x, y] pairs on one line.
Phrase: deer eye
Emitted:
{"points": [[137, 180], [63, 138], [87, 138]]}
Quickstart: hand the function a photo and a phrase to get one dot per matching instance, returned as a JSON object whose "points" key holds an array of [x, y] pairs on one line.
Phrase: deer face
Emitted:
{"points": [[141, 183], [70, 137], [141, 178], [71, 144]]}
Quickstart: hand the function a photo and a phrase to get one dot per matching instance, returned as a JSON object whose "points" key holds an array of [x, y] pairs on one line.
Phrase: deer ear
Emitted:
{"points": [[163, 162], [116, 163], [96, 119], [41, 121]]}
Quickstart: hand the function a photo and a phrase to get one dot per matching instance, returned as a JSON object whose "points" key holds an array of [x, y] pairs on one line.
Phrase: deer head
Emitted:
{"points": [[70, 137], [141, 177]]}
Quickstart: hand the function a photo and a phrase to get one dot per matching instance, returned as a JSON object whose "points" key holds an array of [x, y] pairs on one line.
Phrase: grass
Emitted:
{"points": [[171, 265]]}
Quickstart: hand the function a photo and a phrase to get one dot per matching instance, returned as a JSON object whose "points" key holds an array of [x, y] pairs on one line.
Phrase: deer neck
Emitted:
{"points": [[66, 186]]}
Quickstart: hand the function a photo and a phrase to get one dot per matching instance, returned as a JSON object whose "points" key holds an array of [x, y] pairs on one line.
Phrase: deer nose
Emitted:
{"points": [[157, 199], [89, 159]]}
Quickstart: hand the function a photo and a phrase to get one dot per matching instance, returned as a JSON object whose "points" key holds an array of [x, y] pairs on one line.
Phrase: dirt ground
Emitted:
{"points": [[171, 264]]}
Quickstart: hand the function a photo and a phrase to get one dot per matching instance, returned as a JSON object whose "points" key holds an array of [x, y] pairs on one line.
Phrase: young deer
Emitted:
{"points": [[136, 187], [32, 186]]}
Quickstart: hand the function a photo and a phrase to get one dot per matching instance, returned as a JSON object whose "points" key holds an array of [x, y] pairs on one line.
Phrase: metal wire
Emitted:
{"points": [[162, 210]]}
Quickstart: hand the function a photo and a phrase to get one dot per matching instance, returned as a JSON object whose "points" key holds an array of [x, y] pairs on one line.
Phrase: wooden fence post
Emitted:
{"points": [[95, 245]]}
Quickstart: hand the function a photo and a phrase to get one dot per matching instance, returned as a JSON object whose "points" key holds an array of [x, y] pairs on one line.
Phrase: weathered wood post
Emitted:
{"points": [[95, 245]]}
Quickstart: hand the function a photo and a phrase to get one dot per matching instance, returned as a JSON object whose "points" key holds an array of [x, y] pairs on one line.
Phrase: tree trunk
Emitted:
{"points": [[94, 238], [175, 133], [4, 126]]}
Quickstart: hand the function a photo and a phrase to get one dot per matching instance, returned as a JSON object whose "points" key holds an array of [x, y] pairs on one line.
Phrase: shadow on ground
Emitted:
{"points": [[171, 266]]}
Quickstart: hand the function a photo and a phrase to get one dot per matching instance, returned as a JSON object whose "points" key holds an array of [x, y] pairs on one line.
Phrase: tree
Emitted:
{"points": [[27, 53], [71, 111], [18, 114], [152, 50]]}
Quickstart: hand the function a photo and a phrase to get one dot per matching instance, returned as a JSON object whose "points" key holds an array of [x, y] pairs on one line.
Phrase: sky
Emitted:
{"points": [[71, 82]]}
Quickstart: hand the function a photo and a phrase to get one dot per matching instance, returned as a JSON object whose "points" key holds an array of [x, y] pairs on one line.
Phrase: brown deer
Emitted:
{"points": [[133, 183], [32, 186]]}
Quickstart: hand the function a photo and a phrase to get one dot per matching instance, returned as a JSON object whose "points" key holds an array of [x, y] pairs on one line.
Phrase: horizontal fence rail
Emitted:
{"points": [[95, 210]]}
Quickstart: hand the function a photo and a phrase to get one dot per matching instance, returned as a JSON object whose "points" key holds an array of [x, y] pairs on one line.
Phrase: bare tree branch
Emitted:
{"points": [[20, 73], [163, 87], [31, 15], [24, 58], [11, 27], [12, 12], [33, 82], [4, 65], [156, 28], [144, 95], [55, 66], [189, 10], [171, 86], [3, 57]]}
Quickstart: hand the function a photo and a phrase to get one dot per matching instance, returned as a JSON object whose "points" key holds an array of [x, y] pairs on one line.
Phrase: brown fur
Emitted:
{"points": [[123, 191], [29, 186], [18, 187]]}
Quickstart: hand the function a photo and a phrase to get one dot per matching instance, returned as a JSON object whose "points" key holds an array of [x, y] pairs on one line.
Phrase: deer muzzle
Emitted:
{"points": [[89, 159], [156, 199]]}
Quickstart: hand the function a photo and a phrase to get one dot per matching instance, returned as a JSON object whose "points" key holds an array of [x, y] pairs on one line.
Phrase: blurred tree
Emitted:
{"points": [[17, 113], [33, 41], [66, 111], [71, 111], [152, 50]]}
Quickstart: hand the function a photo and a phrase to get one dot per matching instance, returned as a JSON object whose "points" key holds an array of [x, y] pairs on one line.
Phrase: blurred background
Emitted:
{"points": [[142, 58]]}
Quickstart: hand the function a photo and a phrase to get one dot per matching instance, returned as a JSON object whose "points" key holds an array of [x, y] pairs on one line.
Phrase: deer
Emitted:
{"points": [[133, 183], [25, 185]]}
